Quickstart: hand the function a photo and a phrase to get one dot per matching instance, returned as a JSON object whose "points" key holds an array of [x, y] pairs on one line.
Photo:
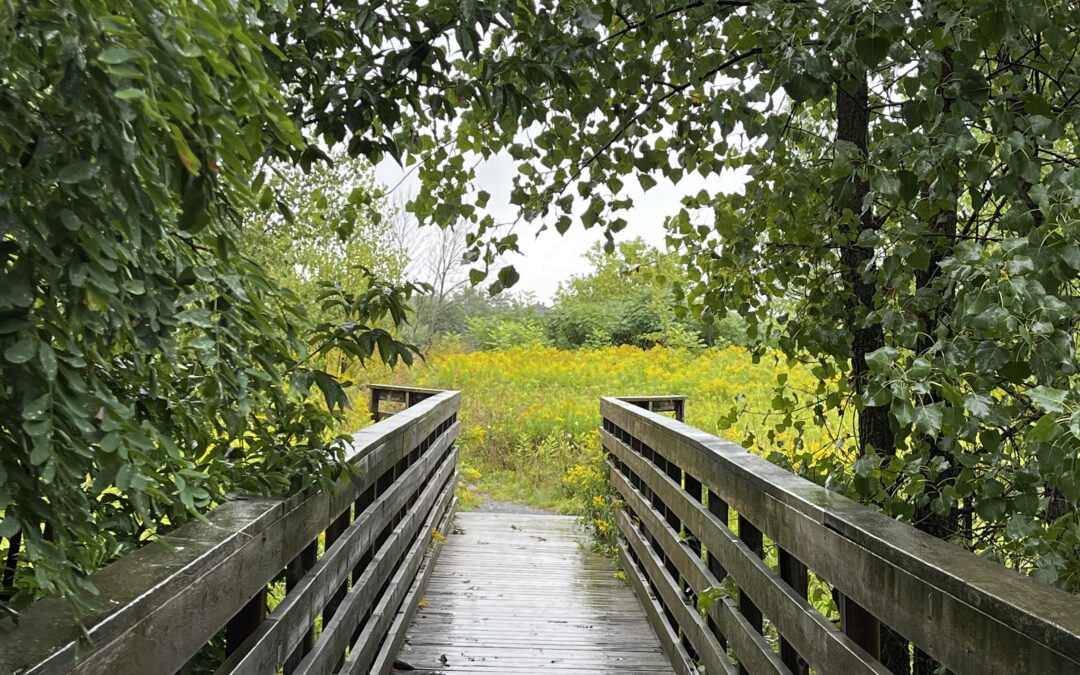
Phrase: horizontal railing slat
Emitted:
{"points": [[757, 653], [371, 638], [693, 627], [209, 571], [45, 639], [384, 662], [681, 662]]}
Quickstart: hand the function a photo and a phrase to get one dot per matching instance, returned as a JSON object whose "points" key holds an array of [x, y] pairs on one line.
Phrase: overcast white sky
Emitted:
{"points": [[549, 258]]}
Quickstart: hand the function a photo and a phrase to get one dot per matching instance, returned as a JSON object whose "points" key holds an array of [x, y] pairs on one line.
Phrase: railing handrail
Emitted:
{"points": [[405, 388], [151, 585], [1046, 617]]}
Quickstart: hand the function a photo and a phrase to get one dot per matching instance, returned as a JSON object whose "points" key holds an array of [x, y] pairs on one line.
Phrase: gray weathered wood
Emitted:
{"points": [[814, 635], [395, 393], [969, 613], [519, 593], [744, 639], [207, 570], [384, 661], [705, 644], [364, 651], [794, 574], [673, 403], [338, 632], [266, 650], [681, 661]]}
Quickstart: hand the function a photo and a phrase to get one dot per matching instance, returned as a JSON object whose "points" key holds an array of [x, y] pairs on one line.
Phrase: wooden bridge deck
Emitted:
{"points": [[519, 594]]}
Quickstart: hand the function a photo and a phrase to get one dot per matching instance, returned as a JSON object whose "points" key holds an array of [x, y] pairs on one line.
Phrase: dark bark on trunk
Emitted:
{"points": [[853, 126], [874, 431]]}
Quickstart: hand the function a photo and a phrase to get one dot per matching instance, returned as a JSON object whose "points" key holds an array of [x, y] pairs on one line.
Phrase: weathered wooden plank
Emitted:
{"points": [[794, 574], [745, 641], [949, 602], [519, 593], [692, 626], [409, 396], [45, 639], [245, 622], [680, 660], [384, 661], [719, 508], [813, 635]]}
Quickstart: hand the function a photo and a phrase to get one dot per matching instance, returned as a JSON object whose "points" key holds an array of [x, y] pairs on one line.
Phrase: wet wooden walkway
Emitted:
{"points": [[517, 593]]}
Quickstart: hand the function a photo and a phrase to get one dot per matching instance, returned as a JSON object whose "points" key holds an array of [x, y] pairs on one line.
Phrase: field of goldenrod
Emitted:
{"points": [[529, 415]]}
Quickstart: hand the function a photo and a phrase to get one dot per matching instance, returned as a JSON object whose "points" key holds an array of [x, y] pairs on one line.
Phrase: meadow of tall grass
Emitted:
{"points": [[529, 415]]}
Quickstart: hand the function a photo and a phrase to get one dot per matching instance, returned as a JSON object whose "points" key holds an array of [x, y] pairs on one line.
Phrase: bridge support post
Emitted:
{"points": [[861, 626]]}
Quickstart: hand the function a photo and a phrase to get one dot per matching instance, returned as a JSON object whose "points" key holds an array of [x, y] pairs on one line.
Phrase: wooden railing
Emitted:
{"points": [[351, 561], [702, 513], [406, 397], [673, 403]]}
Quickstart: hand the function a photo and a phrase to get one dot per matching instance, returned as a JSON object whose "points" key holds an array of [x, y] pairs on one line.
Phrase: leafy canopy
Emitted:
{"points": [[150, 365]]}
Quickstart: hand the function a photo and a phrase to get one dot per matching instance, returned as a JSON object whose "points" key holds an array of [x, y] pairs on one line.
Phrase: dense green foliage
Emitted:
{"points": [[150, 366], [909, 227], [627, 300], [322, 226]]}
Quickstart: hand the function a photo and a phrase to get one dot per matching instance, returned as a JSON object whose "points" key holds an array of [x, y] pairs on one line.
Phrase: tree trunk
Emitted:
{"points": [[874, 431], [853, 126]]}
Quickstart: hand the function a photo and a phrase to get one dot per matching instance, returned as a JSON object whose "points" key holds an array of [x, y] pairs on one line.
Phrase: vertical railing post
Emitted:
{"points": [[793, 573], [245, 621], [365, 500], [296, 570], [373, 407], [751, 536], [332, 534], [719, 508], [861, 626], [694, 489]]}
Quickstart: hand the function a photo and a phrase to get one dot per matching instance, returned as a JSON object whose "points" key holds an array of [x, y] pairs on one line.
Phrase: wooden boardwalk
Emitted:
{"points": [[520, 594]]}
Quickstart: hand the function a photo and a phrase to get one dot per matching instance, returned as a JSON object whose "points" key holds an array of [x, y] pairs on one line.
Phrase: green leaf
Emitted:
{"points": [[928, 418], [881, 360], [130, 94], [1047, 399], [9, 526], [48, 361], [76, 172], [872, 50], [115, 55], [22, 351], [508, 276]]}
